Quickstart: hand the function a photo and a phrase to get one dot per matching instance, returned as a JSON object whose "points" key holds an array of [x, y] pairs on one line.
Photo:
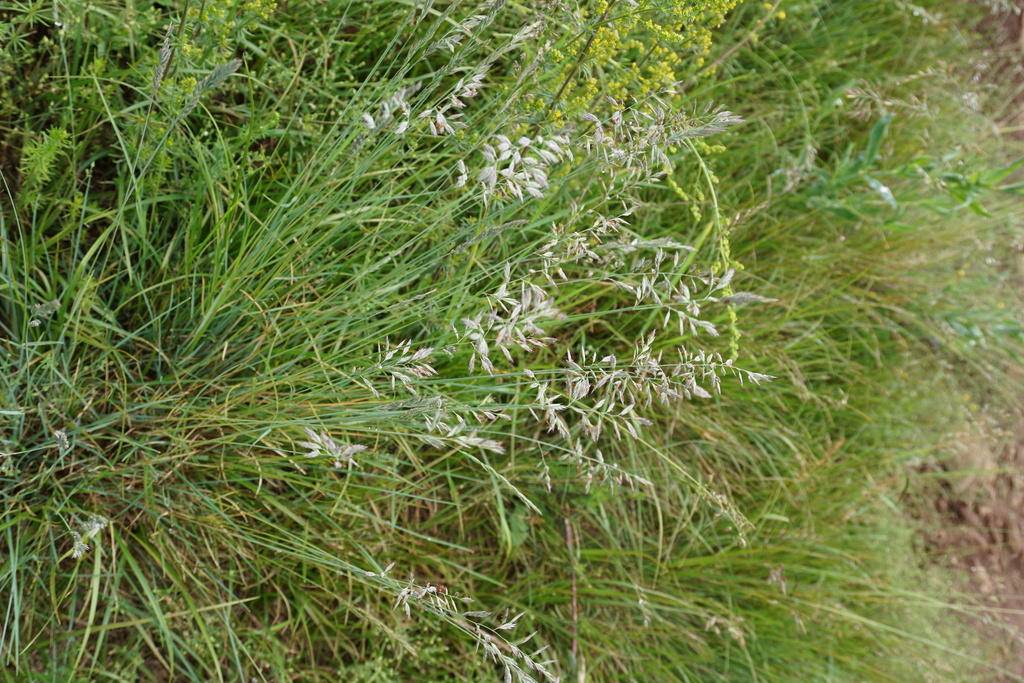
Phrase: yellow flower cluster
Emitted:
{"points": [[222, 22], [632, 51], [778, 15], [687, 24], [261, 8]]}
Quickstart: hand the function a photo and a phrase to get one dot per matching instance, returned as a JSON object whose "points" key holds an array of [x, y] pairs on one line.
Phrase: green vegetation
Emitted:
{"points": [[436, 341]]}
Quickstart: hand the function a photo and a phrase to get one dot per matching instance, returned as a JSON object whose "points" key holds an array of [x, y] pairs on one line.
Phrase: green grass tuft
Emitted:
{"points": [[386, 342]]}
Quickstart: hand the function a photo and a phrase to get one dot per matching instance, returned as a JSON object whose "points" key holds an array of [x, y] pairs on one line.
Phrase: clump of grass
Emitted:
{"points": [[490, 296]]}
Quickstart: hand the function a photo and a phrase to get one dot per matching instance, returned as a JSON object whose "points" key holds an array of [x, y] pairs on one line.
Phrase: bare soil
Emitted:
{"points": [[978, 531]]}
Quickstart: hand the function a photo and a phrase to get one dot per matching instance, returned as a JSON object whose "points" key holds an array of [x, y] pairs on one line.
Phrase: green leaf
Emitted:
{"points": [[976, 207], [991, 177], [875, 139], [883, 191], [518, 526]]}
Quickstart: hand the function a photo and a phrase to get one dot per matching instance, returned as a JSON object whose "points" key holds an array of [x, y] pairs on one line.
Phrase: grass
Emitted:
{"points": [[356, 329]]}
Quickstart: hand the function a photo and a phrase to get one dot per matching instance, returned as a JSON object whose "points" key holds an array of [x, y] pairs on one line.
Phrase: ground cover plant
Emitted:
{"points": [[469, 341]]}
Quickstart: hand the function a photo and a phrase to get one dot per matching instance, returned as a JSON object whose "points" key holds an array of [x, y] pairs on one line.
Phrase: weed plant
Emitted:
{"points": [[460, 341]]}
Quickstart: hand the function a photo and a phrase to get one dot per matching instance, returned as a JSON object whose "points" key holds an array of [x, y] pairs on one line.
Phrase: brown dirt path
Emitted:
{"points": [[978, 530]]}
